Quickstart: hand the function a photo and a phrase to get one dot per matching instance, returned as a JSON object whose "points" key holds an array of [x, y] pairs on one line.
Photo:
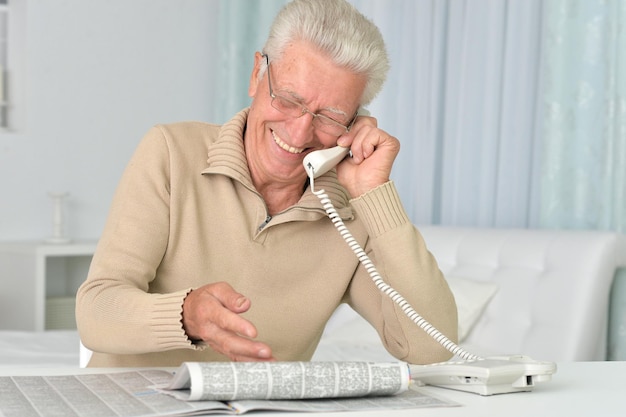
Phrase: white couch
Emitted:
{"points": [[542, 293]]}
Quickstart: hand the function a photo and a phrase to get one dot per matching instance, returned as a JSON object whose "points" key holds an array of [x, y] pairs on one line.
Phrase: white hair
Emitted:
{"points": [[339, 30]]}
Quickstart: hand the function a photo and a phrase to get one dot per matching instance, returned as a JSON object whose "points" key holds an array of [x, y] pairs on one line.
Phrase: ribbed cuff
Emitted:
{"points": [[166, 322], [381, 209]]}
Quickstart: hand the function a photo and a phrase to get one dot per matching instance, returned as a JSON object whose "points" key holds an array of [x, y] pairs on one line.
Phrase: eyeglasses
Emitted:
{"points": [[294, 109]]}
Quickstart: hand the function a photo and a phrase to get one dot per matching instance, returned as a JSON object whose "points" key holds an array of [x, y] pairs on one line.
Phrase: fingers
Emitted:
{"points": [[373, 154], [365, 142], [212, 313], [230, 298], [237, 348], [217, 304], [365, 137]]}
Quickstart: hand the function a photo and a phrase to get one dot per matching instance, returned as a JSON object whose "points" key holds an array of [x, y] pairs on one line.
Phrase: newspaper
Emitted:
{"points": [[228, 381], [134, 393]]}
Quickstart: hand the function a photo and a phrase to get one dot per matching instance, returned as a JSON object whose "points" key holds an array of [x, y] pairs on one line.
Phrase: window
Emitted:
{"points": [[12, 65], [4, 43]]}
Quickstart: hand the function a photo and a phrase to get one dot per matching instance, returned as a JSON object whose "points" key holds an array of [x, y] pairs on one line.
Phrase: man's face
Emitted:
{"points": [[276, 143]]}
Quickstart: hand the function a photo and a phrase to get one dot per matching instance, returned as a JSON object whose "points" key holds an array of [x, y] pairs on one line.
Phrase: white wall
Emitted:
{"points": [[98, 75]]}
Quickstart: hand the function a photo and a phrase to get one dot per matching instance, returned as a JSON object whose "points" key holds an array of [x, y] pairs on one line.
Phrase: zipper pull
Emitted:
{"points": [[267, 220]]}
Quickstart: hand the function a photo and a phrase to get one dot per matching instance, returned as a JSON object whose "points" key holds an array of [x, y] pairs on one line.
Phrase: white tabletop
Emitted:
{"points": [[589, 389], [576, 389]]}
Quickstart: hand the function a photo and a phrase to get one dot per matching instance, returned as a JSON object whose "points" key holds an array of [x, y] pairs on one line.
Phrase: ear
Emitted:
{"points": [[254, 77]]}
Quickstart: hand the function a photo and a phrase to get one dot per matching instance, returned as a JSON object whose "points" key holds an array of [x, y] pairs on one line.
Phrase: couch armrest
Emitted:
{"points": [[617, 318]]}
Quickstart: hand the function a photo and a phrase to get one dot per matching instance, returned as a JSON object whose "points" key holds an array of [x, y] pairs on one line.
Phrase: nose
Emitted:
{"points": [[302, 127]]}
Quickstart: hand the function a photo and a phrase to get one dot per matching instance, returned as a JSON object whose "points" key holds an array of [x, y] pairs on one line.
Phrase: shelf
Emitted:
{"points": [[38, 277]]}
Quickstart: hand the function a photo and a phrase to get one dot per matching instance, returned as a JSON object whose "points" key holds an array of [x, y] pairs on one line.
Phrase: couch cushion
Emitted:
{"points": [[348, 336], [471, 298], [553, 287]]}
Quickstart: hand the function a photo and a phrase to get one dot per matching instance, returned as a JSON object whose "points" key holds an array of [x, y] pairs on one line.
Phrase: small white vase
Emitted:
{"points": [[58, 219]]}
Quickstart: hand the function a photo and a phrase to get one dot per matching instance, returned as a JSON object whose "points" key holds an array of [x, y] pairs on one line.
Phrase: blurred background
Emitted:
{"points": [[511, 113]]}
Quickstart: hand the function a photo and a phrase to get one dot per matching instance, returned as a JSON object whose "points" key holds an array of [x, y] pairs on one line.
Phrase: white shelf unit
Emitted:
{"points": [[39, 280]]}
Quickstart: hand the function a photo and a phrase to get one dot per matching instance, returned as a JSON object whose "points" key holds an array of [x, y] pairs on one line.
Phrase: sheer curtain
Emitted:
{"points": [[584, 181], [243, 27], [461, 97]]}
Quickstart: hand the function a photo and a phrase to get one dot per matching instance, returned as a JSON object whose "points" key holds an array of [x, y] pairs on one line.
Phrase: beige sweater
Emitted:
{"points": [[179, 221]]}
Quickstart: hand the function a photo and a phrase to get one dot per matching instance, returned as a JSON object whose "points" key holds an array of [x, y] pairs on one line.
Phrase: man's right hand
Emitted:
{"points": [[212, 313]]}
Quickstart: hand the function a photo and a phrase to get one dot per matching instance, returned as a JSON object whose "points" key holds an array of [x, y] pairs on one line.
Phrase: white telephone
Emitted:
{"points": [[320, 162], [485, 376]]}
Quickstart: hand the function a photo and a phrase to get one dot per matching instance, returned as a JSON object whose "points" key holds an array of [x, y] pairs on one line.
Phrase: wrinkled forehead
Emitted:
{"points": [[308, 74]]}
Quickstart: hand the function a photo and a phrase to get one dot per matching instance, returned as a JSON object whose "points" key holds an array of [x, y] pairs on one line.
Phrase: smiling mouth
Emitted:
{"points": [[284, 146]]}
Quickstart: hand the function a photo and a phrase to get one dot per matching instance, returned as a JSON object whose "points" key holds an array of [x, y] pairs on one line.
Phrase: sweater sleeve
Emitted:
{"points": [[116, 311], [402, 259]]}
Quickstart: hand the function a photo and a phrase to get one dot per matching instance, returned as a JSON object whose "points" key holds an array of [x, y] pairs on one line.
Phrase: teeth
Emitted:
{"points": [[284, 146]]}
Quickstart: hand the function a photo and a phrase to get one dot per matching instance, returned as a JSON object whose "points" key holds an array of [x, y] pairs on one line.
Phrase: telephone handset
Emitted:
{"points": [[320, 162], [485, 376]]}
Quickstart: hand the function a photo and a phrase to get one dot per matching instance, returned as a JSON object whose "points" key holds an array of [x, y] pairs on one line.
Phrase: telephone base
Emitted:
{"points": [[489, 376]]}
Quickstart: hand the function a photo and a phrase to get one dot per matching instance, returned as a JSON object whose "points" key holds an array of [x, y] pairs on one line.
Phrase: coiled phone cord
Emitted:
{"points": [[380, 282]]}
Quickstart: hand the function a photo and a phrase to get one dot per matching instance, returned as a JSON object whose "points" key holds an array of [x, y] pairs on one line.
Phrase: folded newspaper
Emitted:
{"points": [[230, 381], [306, 387]]}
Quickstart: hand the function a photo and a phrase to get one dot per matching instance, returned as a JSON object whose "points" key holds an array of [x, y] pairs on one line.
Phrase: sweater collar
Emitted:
{"points": [[227, 156]]}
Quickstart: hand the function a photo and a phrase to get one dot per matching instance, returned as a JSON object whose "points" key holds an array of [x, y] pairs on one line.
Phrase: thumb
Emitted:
{"points": [[231, 299]]}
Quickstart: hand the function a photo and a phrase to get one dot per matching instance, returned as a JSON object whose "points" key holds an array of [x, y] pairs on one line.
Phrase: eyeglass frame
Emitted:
{"points": [[304, 110]]}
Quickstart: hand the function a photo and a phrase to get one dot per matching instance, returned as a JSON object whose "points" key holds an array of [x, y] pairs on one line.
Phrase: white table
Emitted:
{"points": [[577, 389], [586, 389]]}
